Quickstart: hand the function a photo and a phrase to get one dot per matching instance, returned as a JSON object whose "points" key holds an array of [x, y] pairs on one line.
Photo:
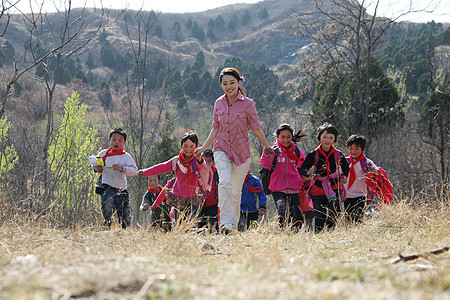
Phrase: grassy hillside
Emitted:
{"points": [[38, 262]]}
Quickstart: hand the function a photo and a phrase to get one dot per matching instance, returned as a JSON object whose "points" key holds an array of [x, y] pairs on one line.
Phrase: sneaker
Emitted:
{"points": [[226, 229]]}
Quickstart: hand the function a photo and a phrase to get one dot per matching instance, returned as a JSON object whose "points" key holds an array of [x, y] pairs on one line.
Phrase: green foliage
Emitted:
{"points": [[102, 37], [107, 55], [211, 24], [90, 61], [80, 75], [233, 23], [7, 53], [246, 19], [168, 146], [409, 49], [189, 24], [210, 35], [335, 101], [8, 155], [200, 60], [64, 76], [68, 153], [219, 21], [197, 32], [263, 14]]}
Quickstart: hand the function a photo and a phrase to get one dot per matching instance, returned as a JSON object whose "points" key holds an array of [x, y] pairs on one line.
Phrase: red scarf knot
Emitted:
{"points": [[352, 176]]}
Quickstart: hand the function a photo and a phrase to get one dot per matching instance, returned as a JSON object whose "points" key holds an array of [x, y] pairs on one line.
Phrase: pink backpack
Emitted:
{"points": [[205, 176]]}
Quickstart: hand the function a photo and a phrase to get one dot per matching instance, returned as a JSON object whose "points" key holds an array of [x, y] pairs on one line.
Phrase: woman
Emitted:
{"points": [[234, 114]]}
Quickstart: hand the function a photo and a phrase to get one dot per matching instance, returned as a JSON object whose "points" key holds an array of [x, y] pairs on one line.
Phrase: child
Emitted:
{"points": [[360, 180], [186, 194], [249, 211], [234, 115], [159, 215], [118, 164], [210, 210], [327, 186], [285, 181]]}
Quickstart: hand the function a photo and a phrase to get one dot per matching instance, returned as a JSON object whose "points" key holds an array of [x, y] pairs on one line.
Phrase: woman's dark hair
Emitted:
{"points": [[300, 135], [357, 139], [119, 131], [235, 73], [330, 128], [192, 136]]}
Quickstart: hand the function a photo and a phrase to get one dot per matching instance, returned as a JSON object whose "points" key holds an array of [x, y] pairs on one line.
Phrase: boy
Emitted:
{"points": [[210, 210], [118, 164], [249, 211], [357, 189], [159, 215]]}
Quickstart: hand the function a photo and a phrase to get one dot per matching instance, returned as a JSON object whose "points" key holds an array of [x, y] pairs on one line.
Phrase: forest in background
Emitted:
{"points": [[68, 78]]}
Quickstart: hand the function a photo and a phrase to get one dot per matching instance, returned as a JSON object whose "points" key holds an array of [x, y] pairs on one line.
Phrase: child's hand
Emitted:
{"points": [[141, 172], [98, 169], [117, 167], [372, 169], [269, 151], [311, 171], [344, 179], [261, 211], [198, 156]]}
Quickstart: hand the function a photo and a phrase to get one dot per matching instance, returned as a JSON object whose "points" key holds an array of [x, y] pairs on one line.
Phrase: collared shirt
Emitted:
{"points": [[233, 123]]}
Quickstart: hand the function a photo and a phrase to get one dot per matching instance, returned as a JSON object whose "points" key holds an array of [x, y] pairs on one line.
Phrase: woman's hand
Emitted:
{"points": [[198, 151], [269, 151], [141, 172]]}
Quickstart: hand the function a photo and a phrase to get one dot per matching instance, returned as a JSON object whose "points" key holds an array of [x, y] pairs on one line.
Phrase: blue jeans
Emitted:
{"points": [[116, 202]]}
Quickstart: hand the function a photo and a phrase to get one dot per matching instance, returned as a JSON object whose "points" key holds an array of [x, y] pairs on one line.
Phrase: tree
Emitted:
{"points": [[335, 101], [219, 21], [343, 32], [246, 19], [434, 123], [197, 32], [232, 23], [90, 61], [73, 196], [263, 14], [107, 55], [200, 59], [8, 155]]}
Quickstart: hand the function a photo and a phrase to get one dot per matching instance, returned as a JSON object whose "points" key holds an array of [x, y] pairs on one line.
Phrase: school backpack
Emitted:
{"points": [[205, 176], [265, 174]]}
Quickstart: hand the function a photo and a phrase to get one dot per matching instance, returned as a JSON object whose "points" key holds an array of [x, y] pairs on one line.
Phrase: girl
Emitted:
{"points": [[357, 189], [331, 170], [285, 181], [186, 193], [234, 114]]}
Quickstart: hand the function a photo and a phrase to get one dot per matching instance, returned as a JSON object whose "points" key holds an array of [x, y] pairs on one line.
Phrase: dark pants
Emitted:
{"points": [[208, 217], [187, 214], [116, 202], [354, 207], [288, 207], [246, 219], [325, 212]]}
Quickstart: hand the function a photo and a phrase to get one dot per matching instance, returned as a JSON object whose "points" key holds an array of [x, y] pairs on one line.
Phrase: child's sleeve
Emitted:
{"points": [[302, 159], [344, 165], [161, 168], [129, 168], [266, 161], [262, 198], [307, 164], [161, 197]]}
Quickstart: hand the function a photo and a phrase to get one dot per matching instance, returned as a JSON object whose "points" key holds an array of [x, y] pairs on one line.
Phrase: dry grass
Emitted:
{"points": [[38, 262]]}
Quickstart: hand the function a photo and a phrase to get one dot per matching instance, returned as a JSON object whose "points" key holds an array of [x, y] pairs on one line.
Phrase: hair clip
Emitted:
{"points": [[242, 79]]}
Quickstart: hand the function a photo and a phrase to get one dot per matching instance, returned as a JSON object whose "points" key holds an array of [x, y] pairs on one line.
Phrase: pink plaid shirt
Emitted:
{"points": [[233, 123]]}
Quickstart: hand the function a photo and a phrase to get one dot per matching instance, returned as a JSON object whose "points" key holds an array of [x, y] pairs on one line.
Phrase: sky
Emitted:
{"points": [[388, 8]]}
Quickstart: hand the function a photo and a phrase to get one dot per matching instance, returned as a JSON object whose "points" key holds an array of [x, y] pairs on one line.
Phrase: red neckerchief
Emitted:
{"points": [[155, 191], [109, 152], [254, 189], [213, 168], [327, 163], [290, 151], [186, 162], [352, 176]]}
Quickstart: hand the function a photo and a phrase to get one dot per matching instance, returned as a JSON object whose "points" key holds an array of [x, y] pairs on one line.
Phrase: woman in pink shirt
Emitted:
{"points": [[234, 114], [186, 194]]}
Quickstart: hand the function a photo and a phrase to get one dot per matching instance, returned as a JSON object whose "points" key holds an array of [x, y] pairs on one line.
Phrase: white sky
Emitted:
{"points": [[389, 8]]}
